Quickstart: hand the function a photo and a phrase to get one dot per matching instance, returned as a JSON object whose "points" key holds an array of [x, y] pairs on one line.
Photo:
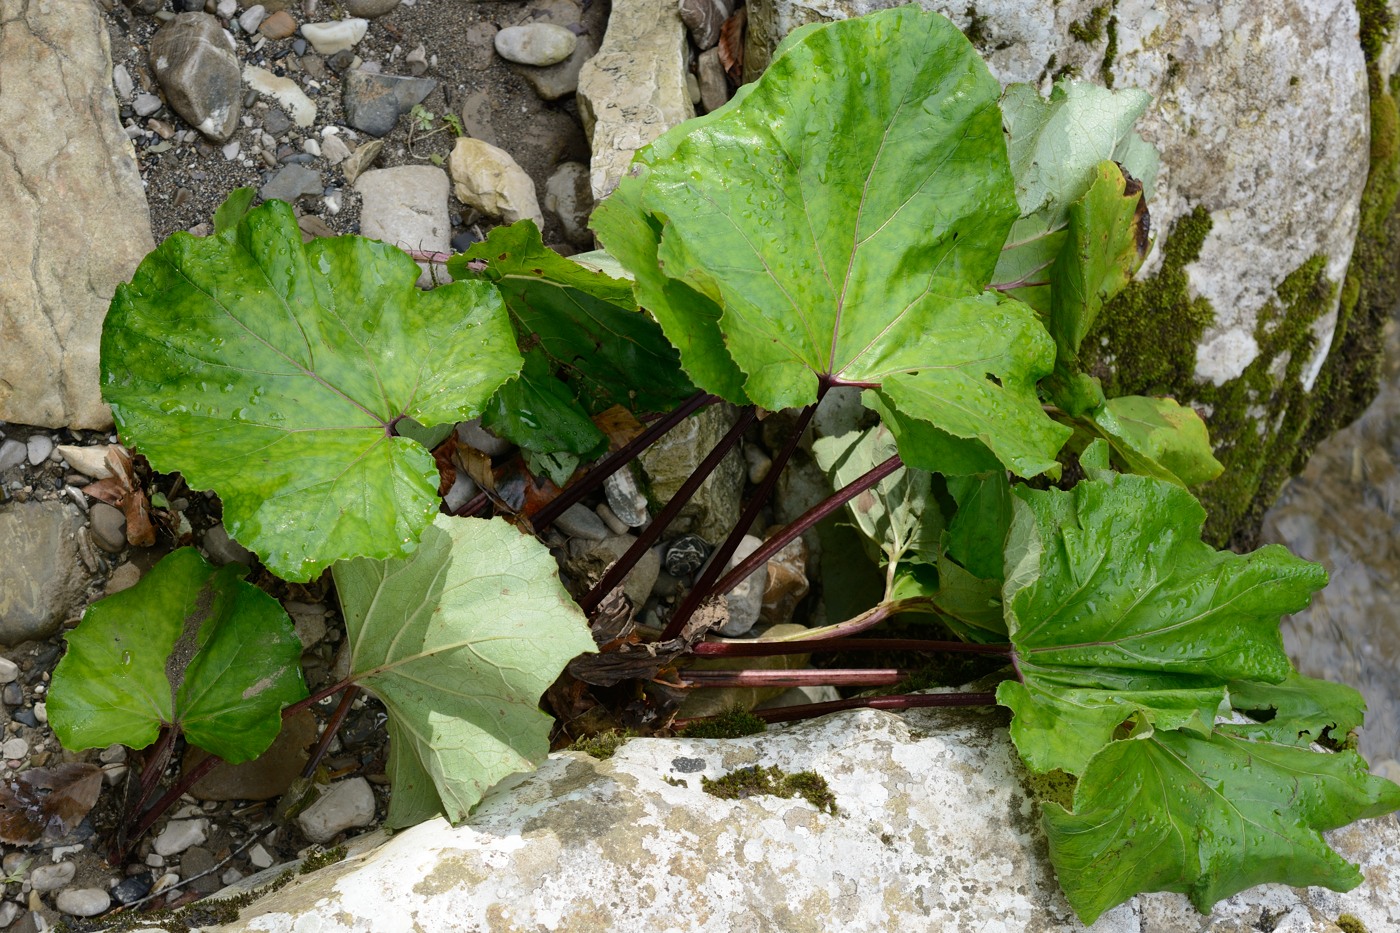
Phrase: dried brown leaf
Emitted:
{"points": [[47, 802]]}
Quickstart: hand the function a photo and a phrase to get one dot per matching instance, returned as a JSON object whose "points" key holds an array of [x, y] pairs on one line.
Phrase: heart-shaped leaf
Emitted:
{"points": [[1117, 608], [1208, 816], [273, 372], [190, 646], [1157, 437], [459, 641], [845, 216]]}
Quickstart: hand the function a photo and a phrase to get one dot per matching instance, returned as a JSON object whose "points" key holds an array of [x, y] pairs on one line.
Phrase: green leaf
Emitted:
{"points": [[1207, 817], [459, 641], [585, 322], [924, 446], [846, 214], [977, 533], [969, 606], [270, 372], [1117, 609], [191, 646], [898, 514], [234, 207], [538, 412], [1055, 146], [1157, 437], [1305, 710]]}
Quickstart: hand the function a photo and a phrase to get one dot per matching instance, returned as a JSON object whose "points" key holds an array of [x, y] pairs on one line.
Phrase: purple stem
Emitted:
{"points": [[765, 649], [166, 800], [614, 461], [837, 677], [624, 564], [903, 701], [332, 727], [704, 587]]}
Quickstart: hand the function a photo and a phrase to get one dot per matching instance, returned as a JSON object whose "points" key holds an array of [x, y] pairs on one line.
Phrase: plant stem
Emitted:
{"points": [[469, 508], [614, 461], [317, 697], [624, 564], [806, 520], [332, 727], [704, 587], [156, 762], [765, 649], [166, 800], [903, 701], [836, 677]]}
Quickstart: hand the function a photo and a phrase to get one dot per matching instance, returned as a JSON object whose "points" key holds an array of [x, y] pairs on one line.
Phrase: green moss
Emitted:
{"points": [[1052, 787], [1090, 28], [317, 860], [976, 29], [773, 782], [605, 744], [734, 724], [1376, 24], [1350, 923], [1110, 52]]}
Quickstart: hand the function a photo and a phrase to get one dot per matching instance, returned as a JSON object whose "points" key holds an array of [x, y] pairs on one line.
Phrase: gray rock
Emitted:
{"points": [[276, 122], [616, 525], [626, 499], [590, 559], [146, 104], [568, 196], [745, 601], [224, 550], [250, 19], [634, 89], [669, 462], [704, 18], [476, 117], [488, 179], [194, 61], [83, 902], [179, 834], [334, 150], [122, 82], [474, 435], [345, 805], [9, 913], [52, 877], [291, 182], [374, 102], [840, 412], [108, 527], [406, 206], [12, 454], [123, 578], [69, 178], [560, 80], [714, 83], [936, 832], [9, 671], [579, 521], [369, 9], [42, 580], [538, 44]]}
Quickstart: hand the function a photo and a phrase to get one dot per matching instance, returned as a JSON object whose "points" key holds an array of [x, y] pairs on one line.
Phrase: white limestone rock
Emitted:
{"points": [[406, 206], [488, 179], [285, 91], [934, 832], [337, 36], [345, 805]]}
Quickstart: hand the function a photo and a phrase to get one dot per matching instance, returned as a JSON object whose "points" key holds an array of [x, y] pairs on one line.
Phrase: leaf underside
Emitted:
{"points": [[270, 372], [459, 641]]}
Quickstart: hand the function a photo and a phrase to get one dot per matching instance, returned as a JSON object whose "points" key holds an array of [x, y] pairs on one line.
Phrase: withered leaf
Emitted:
{"points": [[47, 803]]}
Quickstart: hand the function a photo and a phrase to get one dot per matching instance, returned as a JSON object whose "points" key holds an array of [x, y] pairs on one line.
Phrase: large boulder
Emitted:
{"points": [[1250, 305], [933, 830], [75, 219]]}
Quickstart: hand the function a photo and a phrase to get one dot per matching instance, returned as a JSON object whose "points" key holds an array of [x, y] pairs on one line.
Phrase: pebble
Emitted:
{"points": [[279, 25], [179, 835], [89, 461], [194, 60], [252, 18], [334, 150], [474, 435], [616, 525], [417, 61], [329, 38], [286, 92], [369, 8], [12, 695], [685, 555], [226, 8], [626, 499], [259, 857], [83, 902], [123, 578], [538, 44], [291, 182], [231, 150], [224, 550], [759, 463], [374, 102], [112, 754], [568, 195], [9, 671], [52, 877], [311, 147], [579, 521], [488, 178], [26, 716], [121, 81], [745, 601], [345, 805], [714, 84], [108, 527], [463, 488], [39, 448], [134, 888], [12, 454], [9, 913], [276, 122], [361, 159], [41, 712], [145, 104]]}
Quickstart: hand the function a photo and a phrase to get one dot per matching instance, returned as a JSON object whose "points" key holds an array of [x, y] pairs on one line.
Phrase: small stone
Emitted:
{"points": [[341, 61], [9, 913], [474, 435], [226, 8], [231, 150], [292, 182], [334, 150], [745, 601], [52, 877], [626, 499], [692, 88], [462, 491], [369, 9], [579, 521], [252, 18], [26, 717], [568, 195], [122, 83], [275, 122], [166, 131], [345, 805], [590, 559], [194, 61], [279, 25], [259, 857], [714, 84], [361, 159], [787, 582], [704, 18], [123, 578], [9, 671], [83, 902], [41, 713], [539, 44], [417, 60], [108, 527], [146, 104], [14, 748], [39, 448], [616, 525], [132, 889], [311, 147], [488, 179], [560, 80], [112, 754], [287, 93], [179, 835], [759, 463], [224, 550], [374, 102], [329, 38], [12, 695], [685, 555], [12, 454]]}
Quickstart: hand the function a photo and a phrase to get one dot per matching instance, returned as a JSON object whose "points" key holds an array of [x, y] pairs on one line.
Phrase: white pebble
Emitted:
{"points": [[226, 8], [83, 902], [41, 712], [145, 104], [231, 150], [539, 44], [260, 857], [179, 835], [345, 805], [9, 671], [329, 38], [52, 877], [40, 446], [121, 80], [252, 18], [311, 146], [14, 748]]}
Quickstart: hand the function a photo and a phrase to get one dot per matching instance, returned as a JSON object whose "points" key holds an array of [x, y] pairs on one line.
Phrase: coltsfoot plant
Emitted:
{"points": [[875, 212]]}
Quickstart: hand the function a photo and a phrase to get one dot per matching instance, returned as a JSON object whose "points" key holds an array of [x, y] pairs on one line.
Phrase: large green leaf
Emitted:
{"points": [[1117, 609], [845, 215], [190, 646], [459, 641], [1208, 816], [1055, 146], [927, 447], [1157, 437], [1302, 709], [538, 412], [585, 322], [271, 373]]}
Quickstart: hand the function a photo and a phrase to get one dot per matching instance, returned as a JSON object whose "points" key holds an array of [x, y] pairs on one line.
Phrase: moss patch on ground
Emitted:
{"points": [[736, 723], [773, 782], [605, 744]]}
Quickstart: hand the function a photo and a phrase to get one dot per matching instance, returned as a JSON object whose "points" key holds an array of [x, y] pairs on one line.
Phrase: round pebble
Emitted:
{"points": [[14, 748], [52, 877], [108, 527], [686, 555], [537, 44], [83, 902], [179, 835], [9, 670], [133, 888], [39, 448]]}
